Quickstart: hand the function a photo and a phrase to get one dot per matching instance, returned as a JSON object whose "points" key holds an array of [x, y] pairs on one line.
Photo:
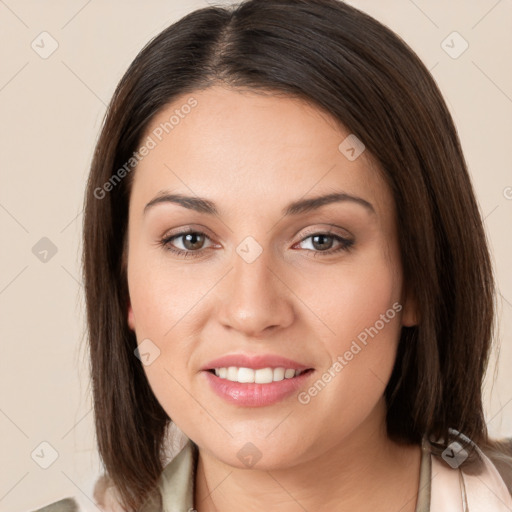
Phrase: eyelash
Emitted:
{"points": [[345, 244]]}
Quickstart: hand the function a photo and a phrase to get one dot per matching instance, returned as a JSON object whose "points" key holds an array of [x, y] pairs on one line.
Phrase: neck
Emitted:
{"points": [[364, 471]]}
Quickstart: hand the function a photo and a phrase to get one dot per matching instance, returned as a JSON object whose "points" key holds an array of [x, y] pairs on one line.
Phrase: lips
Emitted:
{"points": [[255, 362], [250, 393]]}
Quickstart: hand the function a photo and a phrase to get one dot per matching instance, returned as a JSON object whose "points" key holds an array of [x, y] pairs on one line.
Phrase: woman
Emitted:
{"points": [[343, 377]]}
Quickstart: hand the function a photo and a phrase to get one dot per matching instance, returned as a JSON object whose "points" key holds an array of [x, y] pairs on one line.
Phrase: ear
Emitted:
{"points": [[410, 313], [131, 317]]}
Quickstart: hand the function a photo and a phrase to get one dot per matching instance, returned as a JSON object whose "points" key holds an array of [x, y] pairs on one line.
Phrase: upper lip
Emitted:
{"points": [[255, 362]]}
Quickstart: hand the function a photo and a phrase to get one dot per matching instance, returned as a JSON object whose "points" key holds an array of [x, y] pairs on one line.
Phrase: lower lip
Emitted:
{"points": [[256, 395]]}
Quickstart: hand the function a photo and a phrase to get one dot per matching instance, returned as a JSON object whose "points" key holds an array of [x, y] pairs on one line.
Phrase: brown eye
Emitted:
{"points": [[187, 244], [192, 241], [322, 243]]}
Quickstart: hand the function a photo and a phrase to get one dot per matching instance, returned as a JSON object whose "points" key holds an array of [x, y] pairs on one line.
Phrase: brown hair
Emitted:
{"points": [[348, 64]]}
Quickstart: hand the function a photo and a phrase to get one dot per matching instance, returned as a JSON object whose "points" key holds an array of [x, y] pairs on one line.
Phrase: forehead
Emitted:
{"points": [[246, 149]]}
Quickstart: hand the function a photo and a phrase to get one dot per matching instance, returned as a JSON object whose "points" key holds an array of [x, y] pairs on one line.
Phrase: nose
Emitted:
{"points": [[255, 298]]}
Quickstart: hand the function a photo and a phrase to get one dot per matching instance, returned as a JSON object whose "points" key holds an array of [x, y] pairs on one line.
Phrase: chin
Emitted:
{"points": [[252, 452]]}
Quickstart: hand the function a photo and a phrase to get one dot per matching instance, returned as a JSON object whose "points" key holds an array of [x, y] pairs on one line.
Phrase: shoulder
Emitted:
{"points": [[500, 454], [105, 500], [64, 505], [478, 477]]}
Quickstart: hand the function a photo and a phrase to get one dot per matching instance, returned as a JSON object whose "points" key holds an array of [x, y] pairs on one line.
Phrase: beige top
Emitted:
{"points": [[178, 479], [440, 487]]}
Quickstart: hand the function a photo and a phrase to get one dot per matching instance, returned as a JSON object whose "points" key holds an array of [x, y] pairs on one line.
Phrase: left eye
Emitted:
{"points": [[318, 242]]}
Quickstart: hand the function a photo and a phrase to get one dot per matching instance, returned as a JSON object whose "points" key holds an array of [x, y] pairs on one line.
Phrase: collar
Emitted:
{"points": [[477, 490], [178, 478], [442, 489]]}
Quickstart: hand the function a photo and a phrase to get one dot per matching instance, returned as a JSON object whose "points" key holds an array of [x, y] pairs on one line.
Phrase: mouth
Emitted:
{"points": [[267, 375], [248, 387]]}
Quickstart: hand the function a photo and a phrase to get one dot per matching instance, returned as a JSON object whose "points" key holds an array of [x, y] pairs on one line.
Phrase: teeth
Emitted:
{"points": [[279, 374], [260, 376], [246, 375], [288, 374], [232, 373]]}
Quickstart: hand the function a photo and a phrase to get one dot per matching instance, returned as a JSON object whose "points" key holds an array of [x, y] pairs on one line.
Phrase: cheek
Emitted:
{"points": [[350, 297], [162, 296], [166, 303], [360, 308]]}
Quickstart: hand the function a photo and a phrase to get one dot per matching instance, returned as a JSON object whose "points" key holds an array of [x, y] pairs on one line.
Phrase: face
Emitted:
{"points": [[265, 278]]}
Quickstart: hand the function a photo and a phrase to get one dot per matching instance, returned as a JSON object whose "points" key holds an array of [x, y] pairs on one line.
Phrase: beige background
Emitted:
{"points": [[51, 112]]}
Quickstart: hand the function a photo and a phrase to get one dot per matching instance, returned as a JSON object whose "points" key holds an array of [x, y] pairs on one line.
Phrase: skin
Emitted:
{"points": [[253, 154]]}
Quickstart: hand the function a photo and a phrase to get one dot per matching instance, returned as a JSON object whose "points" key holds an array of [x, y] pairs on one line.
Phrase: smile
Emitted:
{"points": [[247, 388], [259, 376]]}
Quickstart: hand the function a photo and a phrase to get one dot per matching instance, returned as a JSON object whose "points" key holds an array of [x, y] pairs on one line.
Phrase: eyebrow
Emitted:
{"points": [[203, 205]]}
